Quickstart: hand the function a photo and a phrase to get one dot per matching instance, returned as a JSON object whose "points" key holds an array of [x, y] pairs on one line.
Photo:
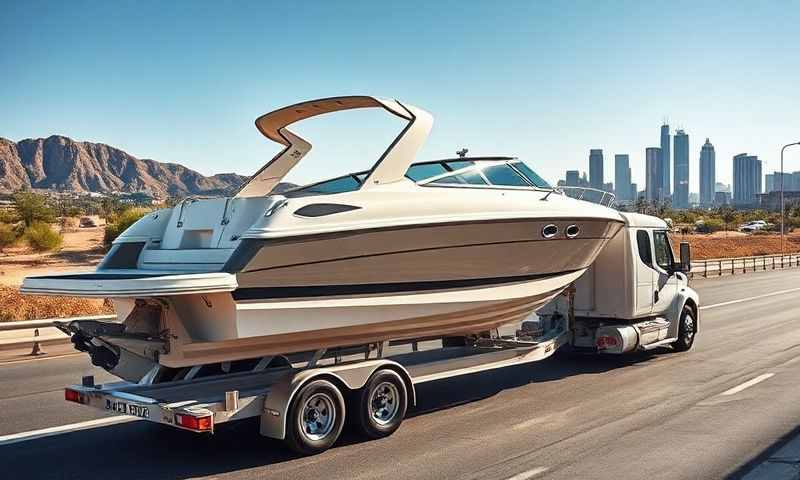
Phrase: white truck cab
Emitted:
{"points": [[636, 295]]}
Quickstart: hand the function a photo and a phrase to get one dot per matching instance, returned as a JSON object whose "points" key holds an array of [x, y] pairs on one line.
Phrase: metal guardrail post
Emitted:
{"points": [[705, 268], [719, 270]]}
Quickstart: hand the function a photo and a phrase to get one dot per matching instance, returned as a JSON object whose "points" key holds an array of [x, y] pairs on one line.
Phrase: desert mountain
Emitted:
{"points": [[61, 163]]}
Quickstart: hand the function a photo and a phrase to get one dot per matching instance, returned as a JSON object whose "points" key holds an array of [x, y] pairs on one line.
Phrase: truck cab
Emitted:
{"points": [[636, 295]]}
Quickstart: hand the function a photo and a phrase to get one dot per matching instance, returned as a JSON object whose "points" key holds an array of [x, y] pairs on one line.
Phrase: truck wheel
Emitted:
{"points": [[316, 417], [382, 404], [686, 330]]}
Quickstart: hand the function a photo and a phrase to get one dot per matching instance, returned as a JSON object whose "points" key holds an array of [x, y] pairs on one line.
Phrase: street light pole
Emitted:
{"points": [[782, 204]]}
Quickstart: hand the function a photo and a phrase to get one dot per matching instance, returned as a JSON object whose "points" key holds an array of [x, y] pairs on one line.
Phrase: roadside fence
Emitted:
{"points": [[734, 266]]}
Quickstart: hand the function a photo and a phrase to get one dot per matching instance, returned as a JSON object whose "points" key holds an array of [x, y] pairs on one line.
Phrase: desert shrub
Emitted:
{"points": [[42, 238], [8, 236], [8, 216], [121, 222], [69, 224], [32, 208], [710, 225]]}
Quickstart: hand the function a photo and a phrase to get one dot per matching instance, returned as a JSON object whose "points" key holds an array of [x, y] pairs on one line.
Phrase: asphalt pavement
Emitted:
{"points": [[718, 410]]}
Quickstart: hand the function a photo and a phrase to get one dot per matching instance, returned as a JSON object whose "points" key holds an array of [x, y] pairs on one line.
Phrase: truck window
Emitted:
{"points": [[663, 250], [643, 245]]}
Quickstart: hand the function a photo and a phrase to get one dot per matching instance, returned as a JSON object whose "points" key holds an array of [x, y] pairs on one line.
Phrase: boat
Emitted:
{"points": [[403, 250]]}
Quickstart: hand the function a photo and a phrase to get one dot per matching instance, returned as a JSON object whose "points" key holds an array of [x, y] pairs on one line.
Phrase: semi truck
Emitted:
{"points": [[635, 297]]}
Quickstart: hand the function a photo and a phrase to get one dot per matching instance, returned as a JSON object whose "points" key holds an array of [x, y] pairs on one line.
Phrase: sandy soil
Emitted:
{"points": [[737, 244], [82, 250]]}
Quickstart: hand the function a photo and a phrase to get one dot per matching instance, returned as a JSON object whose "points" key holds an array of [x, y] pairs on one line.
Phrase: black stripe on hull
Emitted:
{"points": [[270, 293]]}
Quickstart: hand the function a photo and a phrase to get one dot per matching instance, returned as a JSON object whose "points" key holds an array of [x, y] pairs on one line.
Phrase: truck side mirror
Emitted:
{"points": [[686, 257]]}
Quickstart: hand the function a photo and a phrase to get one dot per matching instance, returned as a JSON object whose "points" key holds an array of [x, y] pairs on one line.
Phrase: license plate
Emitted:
{"points": [[128, 409]]}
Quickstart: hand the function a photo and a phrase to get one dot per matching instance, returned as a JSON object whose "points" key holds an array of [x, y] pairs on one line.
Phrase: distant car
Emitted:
{"points": [[753, 226], [87, 222]]}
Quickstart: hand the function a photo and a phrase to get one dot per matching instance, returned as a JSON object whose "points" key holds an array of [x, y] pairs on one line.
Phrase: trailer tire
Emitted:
{"points": [[316, 417], [382, 405], [687, 328]]}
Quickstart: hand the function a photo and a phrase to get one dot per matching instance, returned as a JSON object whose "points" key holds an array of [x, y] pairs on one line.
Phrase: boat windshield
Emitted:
{"points": [[490, 171]]}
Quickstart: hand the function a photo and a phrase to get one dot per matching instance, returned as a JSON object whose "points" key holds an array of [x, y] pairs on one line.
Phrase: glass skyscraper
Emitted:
{"points": [[596, 168], [680, 194], [666, 158], [622, 178], [654, 175], [708, 175], [746, 179]]}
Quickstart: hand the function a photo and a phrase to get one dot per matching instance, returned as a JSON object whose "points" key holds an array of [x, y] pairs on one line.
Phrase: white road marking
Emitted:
{"points": [[747, 384], [73, 427], [529, 473], [743, 300]]}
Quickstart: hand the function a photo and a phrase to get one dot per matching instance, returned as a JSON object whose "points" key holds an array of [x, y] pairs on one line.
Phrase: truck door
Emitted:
{"points": [[644, 273], [666, 282]]}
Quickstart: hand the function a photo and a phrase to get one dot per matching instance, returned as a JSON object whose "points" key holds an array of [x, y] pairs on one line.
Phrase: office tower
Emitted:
{"points": [[746, 179], [622, 177], [573, 178], [680, 192], [666, 178], [634, 192], [608, 187], [654, 175], [596, 168], [769, 180], [708, 174]]}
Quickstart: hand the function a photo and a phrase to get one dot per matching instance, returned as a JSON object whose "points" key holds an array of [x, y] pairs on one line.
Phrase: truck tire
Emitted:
{"points": [[686, 330], [316, 417], [382, 405]]}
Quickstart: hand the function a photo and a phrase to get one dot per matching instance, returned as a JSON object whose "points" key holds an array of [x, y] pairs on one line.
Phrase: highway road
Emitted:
{"points": [[713, 412]]}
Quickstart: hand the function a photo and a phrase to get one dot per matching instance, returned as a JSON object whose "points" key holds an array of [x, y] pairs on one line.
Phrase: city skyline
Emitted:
{"points": [[143, 80]]}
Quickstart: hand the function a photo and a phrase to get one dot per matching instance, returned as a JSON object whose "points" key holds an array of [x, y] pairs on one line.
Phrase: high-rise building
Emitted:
{"points": [[573, 178], [654, 175], [622, 178], [634, 192], [608, 187], [791, 182], [666, 177], [746, 179], [708, 175], [596, 168], [680, 192]]}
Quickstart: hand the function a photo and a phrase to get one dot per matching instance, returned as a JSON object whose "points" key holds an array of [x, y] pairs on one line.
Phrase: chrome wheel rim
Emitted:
{"points": [[688, 332], [384, 403], [318, 416]]}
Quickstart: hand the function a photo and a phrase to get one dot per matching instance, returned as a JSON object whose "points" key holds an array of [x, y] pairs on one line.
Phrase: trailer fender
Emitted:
{"points": [[345, 377]]}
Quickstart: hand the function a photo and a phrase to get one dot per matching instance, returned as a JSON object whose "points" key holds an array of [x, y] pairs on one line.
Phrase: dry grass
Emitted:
{"points": [[738, 245], [15, 306]]}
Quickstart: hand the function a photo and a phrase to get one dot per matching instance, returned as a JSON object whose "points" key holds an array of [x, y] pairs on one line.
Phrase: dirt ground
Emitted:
{"points": [[737, 244], [82, 251]]}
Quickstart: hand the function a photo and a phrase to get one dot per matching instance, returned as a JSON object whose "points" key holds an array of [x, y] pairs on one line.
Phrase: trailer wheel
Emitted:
{"points": [[316, 417], [686, 330], [383, 403]]}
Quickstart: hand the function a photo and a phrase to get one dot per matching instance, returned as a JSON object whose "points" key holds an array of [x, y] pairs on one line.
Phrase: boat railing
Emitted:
{"points": [[589, 194]]}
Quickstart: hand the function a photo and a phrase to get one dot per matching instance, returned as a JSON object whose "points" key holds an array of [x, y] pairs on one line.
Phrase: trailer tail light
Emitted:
{"points": [[606, 341], [73, 396], [199, 424]]}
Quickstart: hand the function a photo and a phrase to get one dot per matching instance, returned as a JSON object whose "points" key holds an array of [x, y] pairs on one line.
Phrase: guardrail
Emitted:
{"points": [[37, 333], [740, 265]]}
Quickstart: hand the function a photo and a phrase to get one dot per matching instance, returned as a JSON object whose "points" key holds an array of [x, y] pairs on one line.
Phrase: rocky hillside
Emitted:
{"points": [[61, 163]]}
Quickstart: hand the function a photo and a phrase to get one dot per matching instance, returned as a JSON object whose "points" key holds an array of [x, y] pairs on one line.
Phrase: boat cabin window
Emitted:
{"points": [[425, 170], [459, 164], [336, 185], [532, 176], [643, 245], [662, 250], [503, 174], [470, 177]]}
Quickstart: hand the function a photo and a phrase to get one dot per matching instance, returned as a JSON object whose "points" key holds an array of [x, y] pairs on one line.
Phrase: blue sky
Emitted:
{"points": [[545, 81]]}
